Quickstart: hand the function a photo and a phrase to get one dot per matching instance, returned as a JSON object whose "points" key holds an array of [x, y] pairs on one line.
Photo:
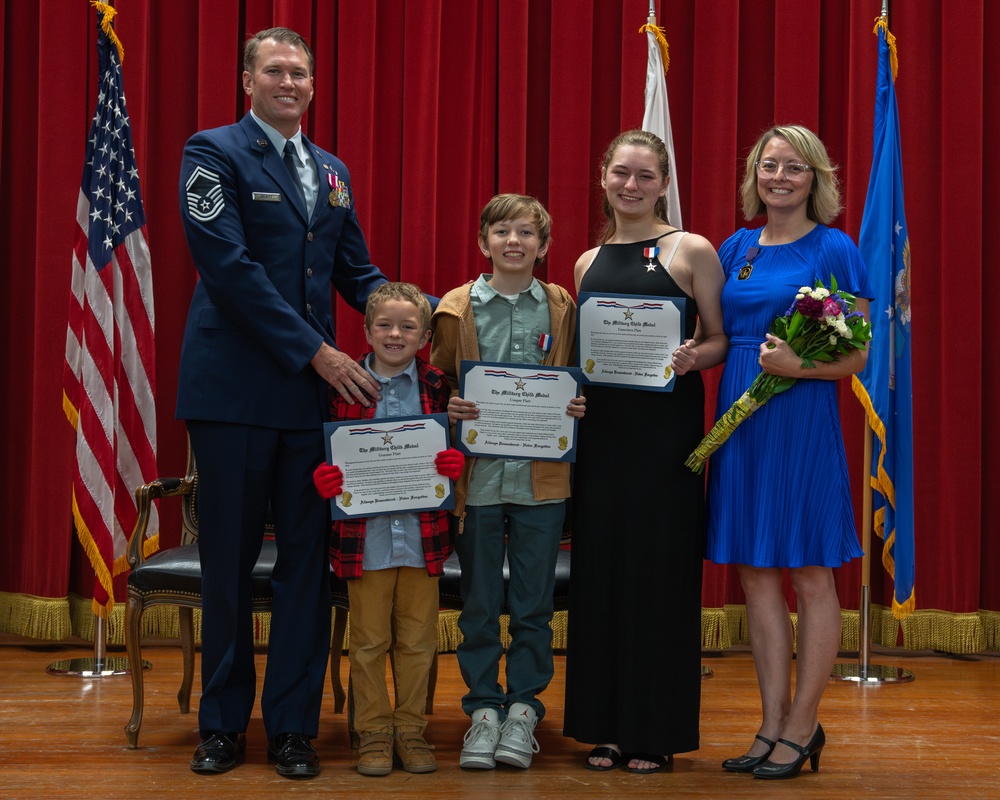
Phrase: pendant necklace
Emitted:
{"points": [[752, 252]]}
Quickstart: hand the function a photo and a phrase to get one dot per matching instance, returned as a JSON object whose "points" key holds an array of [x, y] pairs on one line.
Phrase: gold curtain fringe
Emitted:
{"points": [[991, 629], [35, 617], [960, 634], [54, 620], [449, 636]]}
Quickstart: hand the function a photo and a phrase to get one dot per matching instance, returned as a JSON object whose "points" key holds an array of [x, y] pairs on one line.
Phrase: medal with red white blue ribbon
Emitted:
{"points": [[650, 253]]}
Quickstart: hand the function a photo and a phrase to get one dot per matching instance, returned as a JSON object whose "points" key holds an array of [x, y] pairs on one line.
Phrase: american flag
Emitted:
{"points": [[110, 373]]}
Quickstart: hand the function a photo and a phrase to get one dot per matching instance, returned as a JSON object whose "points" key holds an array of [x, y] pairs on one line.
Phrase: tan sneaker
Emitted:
{"points": [[375, 753], [414, 752]]}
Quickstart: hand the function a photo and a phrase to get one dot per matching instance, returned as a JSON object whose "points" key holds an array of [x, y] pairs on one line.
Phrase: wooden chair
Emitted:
{"points": [[173, 577]]}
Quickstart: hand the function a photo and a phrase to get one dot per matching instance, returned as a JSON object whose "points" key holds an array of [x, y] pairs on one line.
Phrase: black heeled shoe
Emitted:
{"points": [[811, 751], [747, 763]]}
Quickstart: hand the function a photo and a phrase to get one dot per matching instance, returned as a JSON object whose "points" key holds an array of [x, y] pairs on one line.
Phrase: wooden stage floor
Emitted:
{"points": [[935, 737]]}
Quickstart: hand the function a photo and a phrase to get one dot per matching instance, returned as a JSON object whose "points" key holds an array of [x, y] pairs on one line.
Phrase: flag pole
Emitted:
{"points": [[110, 234], [706, 672], [864, 672]]}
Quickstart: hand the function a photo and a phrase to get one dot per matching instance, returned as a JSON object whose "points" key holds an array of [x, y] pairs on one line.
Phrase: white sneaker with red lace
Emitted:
{"points": [[517, 736], [481, 740]]}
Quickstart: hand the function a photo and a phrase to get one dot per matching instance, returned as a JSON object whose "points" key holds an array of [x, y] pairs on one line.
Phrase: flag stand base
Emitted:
{"points": [[100, 666], [92, 667], [870, 674], [865, 673], [706, 672]]}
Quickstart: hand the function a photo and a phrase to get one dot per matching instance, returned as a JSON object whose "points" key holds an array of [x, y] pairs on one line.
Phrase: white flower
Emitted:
{"points": [[805, 290]]}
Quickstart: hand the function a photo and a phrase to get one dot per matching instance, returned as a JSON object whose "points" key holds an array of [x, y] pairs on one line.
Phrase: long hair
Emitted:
{"points": [[634, 138]]}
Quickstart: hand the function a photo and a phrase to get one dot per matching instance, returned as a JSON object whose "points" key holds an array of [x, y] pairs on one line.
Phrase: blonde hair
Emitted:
{"points": [[824, 194], [408, 293]]}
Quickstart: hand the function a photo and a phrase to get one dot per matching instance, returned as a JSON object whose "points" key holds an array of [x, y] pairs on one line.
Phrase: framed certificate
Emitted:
{"points": [[388, 465], [522, 411], [627, 340]]}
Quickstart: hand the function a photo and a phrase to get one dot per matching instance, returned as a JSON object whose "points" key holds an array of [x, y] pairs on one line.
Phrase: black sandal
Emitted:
{"points": [[660, 763], [616, 758]]}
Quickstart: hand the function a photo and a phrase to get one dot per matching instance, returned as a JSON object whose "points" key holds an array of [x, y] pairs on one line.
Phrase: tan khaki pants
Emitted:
{"points": [[400, 603]]}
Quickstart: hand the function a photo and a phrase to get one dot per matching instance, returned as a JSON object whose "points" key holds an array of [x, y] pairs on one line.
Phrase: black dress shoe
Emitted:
{"points": [[808, 753], [294, 755], [219, 752], [747, 763]]}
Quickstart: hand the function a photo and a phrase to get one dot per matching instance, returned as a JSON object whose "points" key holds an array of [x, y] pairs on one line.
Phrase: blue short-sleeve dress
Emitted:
{"points": [[779, 494]]}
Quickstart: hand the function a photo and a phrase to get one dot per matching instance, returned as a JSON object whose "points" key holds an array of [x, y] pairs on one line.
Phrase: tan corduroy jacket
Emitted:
{"points": [[455, 340]]}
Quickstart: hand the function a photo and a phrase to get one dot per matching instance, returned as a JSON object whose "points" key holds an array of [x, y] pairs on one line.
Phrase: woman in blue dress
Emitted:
{"points": [[779, 495]]}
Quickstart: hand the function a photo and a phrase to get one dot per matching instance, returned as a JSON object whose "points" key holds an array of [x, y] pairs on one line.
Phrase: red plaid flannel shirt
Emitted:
{"points": [[348, 545]]}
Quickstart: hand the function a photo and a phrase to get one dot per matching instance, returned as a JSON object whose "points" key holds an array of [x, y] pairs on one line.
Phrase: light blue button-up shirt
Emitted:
{"points": [[393, 540], [304, 163]]}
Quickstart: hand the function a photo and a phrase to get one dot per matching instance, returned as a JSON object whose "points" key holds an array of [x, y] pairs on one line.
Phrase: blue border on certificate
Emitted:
{"points": [[379, 429], [644, 302], [533, 378]]}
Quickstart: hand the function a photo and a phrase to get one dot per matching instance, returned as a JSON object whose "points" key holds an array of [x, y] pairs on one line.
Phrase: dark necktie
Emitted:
{"points": [[290, 162]]}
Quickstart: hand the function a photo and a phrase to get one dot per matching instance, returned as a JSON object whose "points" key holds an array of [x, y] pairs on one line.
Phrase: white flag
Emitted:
{"points": [[656, 118]]}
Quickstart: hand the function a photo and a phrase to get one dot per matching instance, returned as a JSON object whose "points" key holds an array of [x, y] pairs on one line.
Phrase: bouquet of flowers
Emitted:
{"points": [[821, 325]]}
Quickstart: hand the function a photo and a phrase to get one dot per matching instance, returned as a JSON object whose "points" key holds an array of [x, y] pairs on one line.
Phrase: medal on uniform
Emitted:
{"points": [[747, 268], [339, 196], [545, 342], [332, 179], [650, 253]]}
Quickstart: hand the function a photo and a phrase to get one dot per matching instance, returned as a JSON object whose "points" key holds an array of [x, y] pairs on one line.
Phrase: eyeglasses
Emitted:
{"points": [[793, 170]]}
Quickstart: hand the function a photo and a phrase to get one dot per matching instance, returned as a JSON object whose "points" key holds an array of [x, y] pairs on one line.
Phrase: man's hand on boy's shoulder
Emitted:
{"points": [[345, 375]]}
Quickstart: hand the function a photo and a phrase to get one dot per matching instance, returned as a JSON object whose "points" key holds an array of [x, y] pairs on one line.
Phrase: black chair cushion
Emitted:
{"points": [[178, 570]]}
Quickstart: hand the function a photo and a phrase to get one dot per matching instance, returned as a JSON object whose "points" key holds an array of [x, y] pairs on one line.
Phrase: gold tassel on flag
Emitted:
{"points": [[661, 40], [883, 24], [107, 14]]}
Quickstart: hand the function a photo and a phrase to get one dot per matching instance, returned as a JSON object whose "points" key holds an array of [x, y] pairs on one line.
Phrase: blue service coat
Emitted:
{"points": [[263, 303], [255, 407]]}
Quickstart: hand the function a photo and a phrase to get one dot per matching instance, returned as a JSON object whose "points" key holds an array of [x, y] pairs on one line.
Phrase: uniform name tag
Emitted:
{"points": [[267, 197]]}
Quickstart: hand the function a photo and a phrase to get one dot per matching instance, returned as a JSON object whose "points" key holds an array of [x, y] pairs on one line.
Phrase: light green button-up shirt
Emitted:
{"points": [[509, 332]]}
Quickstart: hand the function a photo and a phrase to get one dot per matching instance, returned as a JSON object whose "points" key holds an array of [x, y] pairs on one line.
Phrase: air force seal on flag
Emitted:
{"points": [[204, 195]]}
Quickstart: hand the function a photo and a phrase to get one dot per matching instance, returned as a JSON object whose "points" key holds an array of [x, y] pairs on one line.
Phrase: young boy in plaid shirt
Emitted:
{"points": [[392, 562]]}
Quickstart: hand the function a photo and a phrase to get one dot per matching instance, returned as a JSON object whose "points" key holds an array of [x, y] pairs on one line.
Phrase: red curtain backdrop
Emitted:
{"points": [[436, 105]]}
